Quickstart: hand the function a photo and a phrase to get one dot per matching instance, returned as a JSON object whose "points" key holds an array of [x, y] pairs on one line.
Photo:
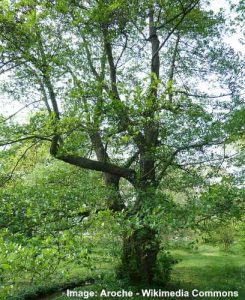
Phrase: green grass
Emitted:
{"points": [[205, 269], [210, 269]]}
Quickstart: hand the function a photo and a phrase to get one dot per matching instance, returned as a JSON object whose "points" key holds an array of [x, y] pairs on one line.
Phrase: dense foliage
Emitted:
{"points": [[146, 93]]}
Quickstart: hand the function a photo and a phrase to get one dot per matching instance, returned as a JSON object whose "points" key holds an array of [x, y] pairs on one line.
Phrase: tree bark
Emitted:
{"points": [[141, 247], [139, 256], [115, 201]]}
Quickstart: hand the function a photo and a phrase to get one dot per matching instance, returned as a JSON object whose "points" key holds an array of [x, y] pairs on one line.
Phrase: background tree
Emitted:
{"points": [[121, 89]]}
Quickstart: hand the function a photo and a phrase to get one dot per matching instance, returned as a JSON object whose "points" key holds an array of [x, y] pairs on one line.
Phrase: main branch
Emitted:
{"points": [[90, 164]]}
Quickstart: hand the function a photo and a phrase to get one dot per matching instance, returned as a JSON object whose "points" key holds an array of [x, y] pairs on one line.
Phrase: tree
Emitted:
{"points": [[119, 88]]}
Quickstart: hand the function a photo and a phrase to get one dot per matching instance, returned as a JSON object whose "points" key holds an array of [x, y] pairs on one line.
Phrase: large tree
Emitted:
{"points": [[137, 90]]}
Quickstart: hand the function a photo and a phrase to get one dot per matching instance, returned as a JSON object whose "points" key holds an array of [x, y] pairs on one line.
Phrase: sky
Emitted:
{"points": [[233, 40]]}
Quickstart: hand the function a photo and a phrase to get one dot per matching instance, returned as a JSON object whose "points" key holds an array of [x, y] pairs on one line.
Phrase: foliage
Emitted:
{"points": [[146, 93]]}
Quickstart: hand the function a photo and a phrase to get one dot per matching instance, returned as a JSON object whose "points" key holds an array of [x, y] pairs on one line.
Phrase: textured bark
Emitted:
{"points": [[139, 256], [148, 148], [90, 164], [140, 249], [115, 201]]}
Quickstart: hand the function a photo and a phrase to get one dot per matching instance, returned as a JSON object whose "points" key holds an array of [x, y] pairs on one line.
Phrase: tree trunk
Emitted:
{"points": [[141, 247], [139, 256]]}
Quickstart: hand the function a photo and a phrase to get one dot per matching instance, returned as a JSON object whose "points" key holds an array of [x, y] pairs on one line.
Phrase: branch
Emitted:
{"points": [[220, 159], [131, 160], [45, 97], [10, 142], [124, 119], [203, 95], [113, 68], [155, 60], [172, 68], [187, 147], [175, 27], [175, 17], [90, 164], [90, 62], [14, 114], [46, 78], [18, 161], [11, 67], [99, 148], [42, 87], [123, 49]]}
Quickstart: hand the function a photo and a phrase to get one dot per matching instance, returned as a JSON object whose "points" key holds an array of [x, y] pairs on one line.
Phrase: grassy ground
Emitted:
{"points": [[206, 269], [210, 269]]}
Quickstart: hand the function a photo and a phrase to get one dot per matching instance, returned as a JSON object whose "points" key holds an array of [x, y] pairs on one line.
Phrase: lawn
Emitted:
{"points": [[205, 269], [210, 269]]}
